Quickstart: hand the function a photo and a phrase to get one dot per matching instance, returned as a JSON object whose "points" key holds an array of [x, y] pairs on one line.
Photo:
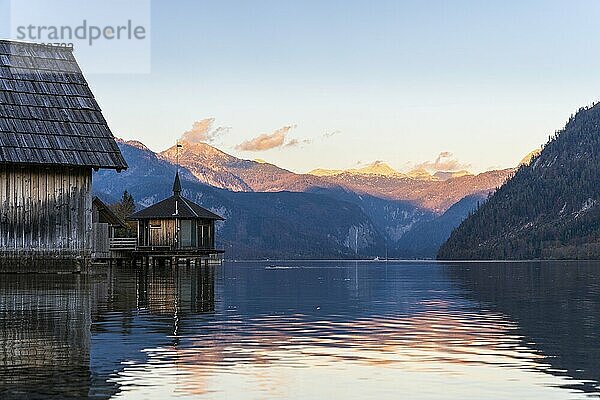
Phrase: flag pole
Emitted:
{"points": [[177, 146]]}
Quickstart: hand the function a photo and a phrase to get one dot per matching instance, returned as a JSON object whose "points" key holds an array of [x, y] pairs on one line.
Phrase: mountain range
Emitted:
{"points": [[549, 209], [275, 213], [382, 169], [420, 188]]}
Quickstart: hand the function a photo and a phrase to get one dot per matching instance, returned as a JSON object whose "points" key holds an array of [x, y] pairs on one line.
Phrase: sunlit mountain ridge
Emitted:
{"points": [[422, 189]]}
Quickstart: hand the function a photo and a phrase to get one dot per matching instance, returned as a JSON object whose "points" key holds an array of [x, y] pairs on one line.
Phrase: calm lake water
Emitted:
{"points": [[305, 330]]}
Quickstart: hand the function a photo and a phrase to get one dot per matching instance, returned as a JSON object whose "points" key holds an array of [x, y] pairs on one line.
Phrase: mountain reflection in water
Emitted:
{"points": [[304, 330], [555, 305]]}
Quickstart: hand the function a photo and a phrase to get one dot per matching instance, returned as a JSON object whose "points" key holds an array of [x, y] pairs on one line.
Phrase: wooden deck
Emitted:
{"points": [[151, 255], [126, 251], [170, 252]]}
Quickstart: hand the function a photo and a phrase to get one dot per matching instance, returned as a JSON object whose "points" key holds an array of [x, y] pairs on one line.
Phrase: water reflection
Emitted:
{"points": [[66, 336], [44, 336], [555, 307], [303, 330], [143, 310]]}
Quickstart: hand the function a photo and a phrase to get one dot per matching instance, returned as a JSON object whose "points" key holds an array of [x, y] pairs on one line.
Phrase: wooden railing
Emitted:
{"points": [[122, 244]]}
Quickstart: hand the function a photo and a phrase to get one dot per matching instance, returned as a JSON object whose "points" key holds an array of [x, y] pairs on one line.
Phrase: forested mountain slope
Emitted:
{"points": [[549, 209]]}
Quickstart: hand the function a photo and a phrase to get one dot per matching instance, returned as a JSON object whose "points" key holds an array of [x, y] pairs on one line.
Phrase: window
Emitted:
{"points": [[186, 233]]}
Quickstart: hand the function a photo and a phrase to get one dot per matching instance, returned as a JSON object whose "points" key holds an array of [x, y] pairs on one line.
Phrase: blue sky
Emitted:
{"points": [[399, 81]]}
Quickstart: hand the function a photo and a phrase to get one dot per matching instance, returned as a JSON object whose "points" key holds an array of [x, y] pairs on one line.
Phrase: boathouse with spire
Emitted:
{"points": [[176, 227]]}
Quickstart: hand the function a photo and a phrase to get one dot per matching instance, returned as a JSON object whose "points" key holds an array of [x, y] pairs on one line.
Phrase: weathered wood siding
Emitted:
{"points": [[162, 232], [45, 211], [100, 240]]}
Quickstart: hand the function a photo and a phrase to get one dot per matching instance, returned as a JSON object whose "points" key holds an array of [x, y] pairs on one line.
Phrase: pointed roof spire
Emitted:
{"points": [[177, 185]]}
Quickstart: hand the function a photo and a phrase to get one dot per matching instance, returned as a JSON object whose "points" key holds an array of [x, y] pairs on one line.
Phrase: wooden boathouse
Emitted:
{"points": [[175, 229], [109, 234], [52, 135]]}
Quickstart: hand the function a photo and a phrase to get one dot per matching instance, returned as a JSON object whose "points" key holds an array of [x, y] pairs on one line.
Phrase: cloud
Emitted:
{"points": [[329, 134], [203, 131], [268, 141], [445, 161], [297, 142]]}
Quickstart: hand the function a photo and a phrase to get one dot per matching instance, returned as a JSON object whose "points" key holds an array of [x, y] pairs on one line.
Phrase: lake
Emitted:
{"points": [[305, 330]]}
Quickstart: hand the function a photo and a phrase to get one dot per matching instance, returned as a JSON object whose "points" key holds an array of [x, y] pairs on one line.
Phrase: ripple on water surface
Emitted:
{"points": [[304, 330]]}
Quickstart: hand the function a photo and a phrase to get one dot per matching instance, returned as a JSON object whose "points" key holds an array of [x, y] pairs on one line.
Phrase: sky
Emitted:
{"points": [[338, 84]]}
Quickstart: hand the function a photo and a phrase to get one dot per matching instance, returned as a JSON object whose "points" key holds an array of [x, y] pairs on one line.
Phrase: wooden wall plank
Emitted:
{"points": [[45, 210], [3, 204]]}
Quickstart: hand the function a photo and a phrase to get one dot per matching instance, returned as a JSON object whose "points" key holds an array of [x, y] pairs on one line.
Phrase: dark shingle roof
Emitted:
{"points": [[166, 209], [107, 213], [48, 114]]}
